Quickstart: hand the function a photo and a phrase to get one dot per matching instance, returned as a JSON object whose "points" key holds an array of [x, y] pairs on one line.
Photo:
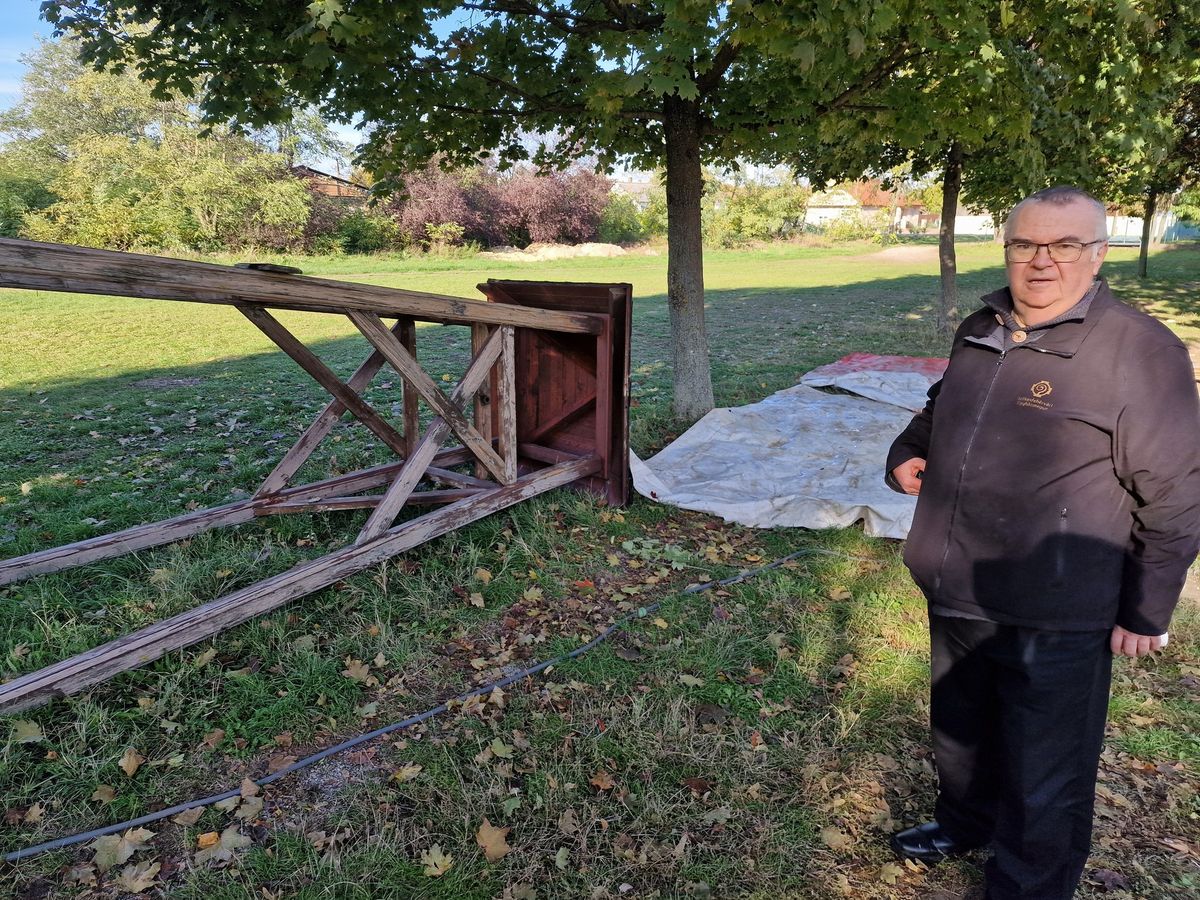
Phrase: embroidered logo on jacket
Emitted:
{"points": [[1036, 393]]}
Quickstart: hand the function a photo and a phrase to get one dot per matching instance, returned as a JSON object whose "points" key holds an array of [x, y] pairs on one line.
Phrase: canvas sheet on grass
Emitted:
{"points": [[802, 457]]}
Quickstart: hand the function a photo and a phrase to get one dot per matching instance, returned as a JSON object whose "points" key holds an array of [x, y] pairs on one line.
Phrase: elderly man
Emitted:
{"points": [[1057, 468]]}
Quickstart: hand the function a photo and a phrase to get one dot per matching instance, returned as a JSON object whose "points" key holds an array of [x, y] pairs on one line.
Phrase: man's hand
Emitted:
{"points": [[1126, 643], [908, 475]]}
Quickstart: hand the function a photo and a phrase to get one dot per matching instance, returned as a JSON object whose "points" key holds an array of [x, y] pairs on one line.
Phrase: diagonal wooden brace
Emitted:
{"points": [[444, 407], [324, 376], [414, 467], [324, 422]]}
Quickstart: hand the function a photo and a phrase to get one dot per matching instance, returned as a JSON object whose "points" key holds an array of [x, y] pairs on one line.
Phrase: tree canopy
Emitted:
{"points": [[667, 84]]}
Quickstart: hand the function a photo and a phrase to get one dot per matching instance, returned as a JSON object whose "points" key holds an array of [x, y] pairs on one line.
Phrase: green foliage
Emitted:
{"points": [[1187, 206], [443, 235], [858, 226], [182, 191], [19, 196], [621, 221], [368, 231], [737, 214]]}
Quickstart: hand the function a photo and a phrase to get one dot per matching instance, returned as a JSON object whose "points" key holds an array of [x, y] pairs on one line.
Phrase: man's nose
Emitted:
{"points": [[1041, 258]]}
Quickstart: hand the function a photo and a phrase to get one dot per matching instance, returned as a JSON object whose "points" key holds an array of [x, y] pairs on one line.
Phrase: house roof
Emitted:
{"points": [[310, 172], [835, 198]]}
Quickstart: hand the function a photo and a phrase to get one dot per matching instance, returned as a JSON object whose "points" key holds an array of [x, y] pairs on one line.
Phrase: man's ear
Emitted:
{"points": [[1101, 251]]}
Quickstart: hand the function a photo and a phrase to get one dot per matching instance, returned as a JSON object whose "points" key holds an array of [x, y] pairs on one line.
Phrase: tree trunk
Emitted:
{"points": [[685, 259], [947, 314], [1147, 226]]}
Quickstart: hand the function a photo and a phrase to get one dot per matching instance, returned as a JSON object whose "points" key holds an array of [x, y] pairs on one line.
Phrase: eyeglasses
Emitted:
{"points": [[1060, 251]]}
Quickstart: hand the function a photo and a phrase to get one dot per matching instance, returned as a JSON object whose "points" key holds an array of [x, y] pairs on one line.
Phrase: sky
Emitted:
{"points": [[19, 29]]}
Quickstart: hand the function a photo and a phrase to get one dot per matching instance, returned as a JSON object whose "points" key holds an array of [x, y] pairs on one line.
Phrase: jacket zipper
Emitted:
{"points": [[937, 585], [1060, 560]]}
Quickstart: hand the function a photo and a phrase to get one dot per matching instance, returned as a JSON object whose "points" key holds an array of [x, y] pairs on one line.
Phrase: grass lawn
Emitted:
{"points": [[758, 740]]}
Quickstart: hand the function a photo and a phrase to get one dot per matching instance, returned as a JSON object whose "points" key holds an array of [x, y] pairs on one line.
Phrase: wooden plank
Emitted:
{"points": [[568, 415], [506, 397], [406, 332], [140, 537], [151, 643], [545, 454], [324, 376], [59, 267], [483, 397], [368, 501], [322, 425], [376, 332], [414, 467]]}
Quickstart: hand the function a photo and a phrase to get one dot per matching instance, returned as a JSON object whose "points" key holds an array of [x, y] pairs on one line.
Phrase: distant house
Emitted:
{"points": [[330, 185], [829, 206], [637, 186]]}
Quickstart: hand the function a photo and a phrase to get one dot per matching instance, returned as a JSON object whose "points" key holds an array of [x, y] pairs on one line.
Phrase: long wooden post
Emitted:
{"points": [[148, 644]]}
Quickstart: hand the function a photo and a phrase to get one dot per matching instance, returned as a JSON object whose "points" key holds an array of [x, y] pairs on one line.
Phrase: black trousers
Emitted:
{"points": [[1018, 725]]}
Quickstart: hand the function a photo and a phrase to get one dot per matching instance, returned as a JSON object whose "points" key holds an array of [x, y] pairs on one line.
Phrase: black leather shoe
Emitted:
{"points": [[928, 843]]}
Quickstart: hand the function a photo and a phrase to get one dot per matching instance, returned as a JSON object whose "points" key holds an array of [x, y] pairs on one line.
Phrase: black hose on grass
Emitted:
{"points": [[411, 720]]}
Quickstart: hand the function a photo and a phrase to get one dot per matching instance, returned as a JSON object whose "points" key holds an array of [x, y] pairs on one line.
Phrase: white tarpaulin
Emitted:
{"points": [[801, 457]]}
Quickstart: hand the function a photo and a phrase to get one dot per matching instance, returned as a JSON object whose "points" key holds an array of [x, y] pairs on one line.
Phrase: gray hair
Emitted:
{"points": [[1061, 195]]}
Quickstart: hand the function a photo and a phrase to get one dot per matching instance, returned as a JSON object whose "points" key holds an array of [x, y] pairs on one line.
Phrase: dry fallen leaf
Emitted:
{"points": [[34, 814], [130, 762], [249, 809], [115, 849], [602, 781], [213, 739], [249, 788], [568, 822], [222, 851], [476, 599], [483, 575], [25, 732], [205, 658], [406, 773], [436, 862], [661, 623], [208, 839], [492, 841], [562, 858], [138, 878], [104, 793], [189, 817], [834, 838], [356, 669]]}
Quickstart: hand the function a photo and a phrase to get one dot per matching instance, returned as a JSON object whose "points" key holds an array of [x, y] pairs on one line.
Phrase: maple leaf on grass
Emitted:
{"points": [[130, 762], [436, 862], [223, 848], [492, 841], [116, 849], [24, 732], [137, 878]]}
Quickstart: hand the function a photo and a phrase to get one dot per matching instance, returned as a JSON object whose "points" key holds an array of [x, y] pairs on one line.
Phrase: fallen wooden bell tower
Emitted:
{"points": [[544, 403]]}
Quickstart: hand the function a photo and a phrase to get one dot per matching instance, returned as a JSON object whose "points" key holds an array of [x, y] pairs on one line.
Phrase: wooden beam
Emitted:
{"points": [[323, 424], [415, 466], [324, 376], [59, 267], [406, 332], [368, 501], [140, 537], [506, 399], [483, 397], [444, 407], [144, 646]]}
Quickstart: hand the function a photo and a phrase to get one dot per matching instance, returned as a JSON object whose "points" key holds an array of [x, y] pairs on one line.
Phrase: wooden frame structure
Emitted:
{"points": [[543, 403]]}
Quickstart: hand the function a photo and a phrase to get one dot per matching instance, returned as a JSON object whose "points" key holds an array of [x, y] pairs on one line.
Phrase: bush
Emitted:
{"points": [[859, 227], [736, 215], [368, 231], [621, 221], [553, 207]]}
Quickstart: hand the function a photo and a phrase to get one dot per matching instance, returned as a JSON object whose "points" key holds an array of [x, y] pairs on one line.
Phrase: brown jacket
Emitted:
{"points": [[1062, 488]]}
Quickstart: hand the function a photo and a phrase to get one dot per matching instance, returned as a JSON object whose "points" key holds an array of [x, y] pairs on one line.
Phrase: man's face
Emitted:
{"points": [[1042, 288]]}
